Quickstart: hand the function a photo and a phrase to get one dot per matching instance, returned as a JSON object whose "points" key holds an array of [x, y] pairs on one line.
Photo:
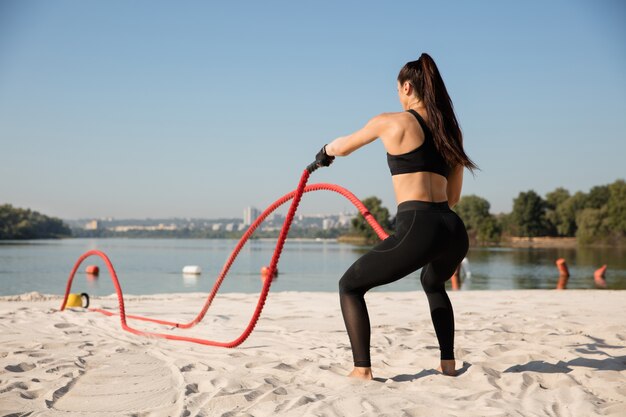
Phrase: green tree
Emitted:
{"points": [[489, 230], [17, 223], [593, 225], [480, 224], [507, 225], [362, 228], [616, 208], [567, 213], [472, 210], [598, 197], [529, 214], [555, 199]]}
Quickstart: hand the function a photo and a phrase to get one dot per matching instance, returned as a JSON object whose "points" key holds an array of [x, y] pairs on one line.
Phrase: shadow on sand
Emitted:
{"points": [[613, 363], [609, 363], [422, 374]]}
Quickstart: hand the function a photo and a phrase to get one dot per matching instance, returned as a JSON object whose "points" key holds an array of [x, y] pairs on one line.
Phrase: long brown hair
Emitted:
{"points": [[430, 89]]}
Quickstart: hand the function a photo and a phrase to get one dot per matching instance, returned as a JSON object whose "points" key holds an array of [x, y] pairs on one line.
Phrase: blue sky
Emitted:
{"points": [[198, 109]]}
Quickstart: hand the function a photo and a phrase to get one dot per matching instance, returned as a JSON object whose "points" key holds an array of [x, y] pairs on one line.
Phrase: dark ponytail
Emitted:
{"points": [[429, 87]]}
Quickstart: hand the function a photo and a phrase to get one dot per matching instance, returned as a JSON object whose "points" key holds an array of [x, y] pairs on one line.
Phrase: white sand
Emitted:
{"points": [[521, 353]]}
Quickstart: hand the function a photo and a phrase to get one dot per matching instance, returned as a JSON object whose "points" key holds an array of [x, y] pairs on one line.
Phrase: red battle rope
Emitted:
{"points": [[296, 196]]}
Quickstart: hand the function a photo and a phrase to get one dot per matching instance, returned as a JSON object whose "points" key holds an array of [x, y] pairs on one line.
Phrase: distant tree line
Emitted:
{"points": [[598, 216], [18, 223]]}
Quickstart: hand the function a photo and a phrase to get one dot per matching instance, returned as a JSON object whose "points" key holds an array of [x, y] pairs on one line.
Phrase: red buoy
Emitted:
{"points": [[563, 274], [456, 279], [92, 270], [598, 277], [265, 272]]}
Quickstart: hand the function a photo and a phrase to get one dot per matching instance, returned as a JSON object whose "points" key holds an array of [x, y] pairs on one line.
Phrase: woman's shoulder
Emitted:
{"points": [[390, 117], [390, 126]]}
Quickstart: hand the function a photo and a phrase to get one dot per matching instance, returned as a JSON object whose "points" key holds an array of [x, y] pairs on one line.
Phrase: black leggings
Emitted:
{"points": [[428, 235]]}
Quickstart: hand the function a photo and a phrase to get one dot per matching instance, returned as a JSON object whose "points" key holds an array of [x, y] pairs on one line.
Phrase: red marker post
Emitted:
{"points": [[563, 274], [598, 277]]}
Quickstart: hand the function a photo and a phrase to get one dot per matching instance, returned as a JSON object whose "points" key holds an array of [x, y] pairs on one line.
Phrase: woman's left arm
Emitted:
{"points": [[345, 145]]}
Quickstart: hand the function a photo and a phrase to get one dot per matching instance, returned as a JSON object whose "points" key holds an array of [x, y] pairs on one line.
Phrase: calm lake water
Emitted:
{"points": [[150, 266]]}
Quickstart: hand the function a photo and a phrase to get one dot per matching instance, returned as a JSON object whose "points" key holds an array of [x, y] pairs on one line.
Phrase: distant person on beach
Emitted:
{"points": [[425, 154]]}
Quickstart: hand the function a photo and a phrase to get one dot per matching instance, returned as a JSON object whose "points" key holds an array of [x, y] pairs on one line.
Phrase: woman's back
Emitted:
{"points": [[403, 136]]}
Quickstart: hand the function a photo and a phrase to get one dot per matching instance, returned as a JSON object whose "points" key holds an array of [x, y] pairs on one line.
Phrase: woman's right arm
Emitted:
{"points": [[455, 183], [345, 145]]}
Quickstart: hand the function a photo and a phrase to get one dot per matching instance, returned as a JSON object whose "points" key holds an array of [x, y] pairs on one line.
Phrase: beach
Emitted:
{"points": [[519, 353]]}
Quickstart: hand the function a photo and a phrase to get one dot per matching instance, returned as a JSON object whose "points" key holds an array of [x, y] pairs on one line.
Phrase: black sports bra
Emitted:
{"points": [[424, 158]]}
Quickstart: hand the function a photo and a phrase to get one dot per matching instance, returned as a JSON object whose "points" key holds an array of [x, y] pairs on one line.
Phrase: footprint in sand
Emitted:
{"points": [[30, 395], [191, 389], [15, 385], [131, 379], [297, 402], [285, 367], [252, 365], [188, 368], [64, 325], [252, 395], [22, 367], [272, 381]]}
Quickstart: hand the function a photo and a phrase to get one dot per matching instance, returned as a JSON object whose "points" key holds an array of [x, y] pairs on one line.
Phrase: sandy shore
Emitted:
{"points": [[520, 353]]}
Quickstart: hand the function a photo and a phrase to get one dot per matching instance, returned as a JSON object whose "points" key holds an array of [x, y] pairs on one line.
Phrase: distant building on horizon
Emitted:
{"points": [[250, 214], [92, 225]]}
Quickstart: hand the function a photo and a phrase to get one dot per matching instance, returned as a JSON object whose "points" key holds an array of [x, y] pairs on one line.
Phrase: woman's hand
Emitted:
{"points": [[322, 159]]}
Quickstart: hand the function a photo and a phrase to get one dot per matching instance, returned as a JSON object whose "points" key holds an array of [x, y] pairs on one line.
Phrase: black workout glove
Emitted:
{"points": [[322, 159]]}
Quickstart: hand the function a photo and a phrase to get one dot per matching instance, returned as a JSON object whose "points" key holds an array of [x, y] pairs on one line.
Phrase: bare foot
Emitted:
{"points": [[361, 373], [447, 367]]}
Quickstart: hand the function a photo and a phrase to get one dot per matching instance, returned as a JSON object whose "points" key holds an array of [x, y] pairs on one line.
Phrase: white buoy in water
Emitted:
{"points": [[192, 270], [465, 268]]}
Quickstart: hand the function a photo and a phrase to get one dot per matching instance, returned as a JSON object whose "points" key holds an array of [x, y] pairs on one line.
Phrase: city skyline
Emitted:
{"points": [[276, 214], [273, 223]]}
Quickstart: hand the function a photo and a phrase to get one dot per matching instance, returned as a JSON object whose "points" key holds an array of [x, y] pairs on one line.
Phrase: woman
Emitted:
{"points": [[425, 155]]}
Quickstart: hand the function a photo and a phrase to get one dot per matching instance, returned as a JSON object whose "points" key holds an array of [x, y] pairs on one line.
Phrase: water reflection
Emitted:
{"points": [[535, 268], [504, 268], [190, 280], [148, 266], [92, 281]]}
